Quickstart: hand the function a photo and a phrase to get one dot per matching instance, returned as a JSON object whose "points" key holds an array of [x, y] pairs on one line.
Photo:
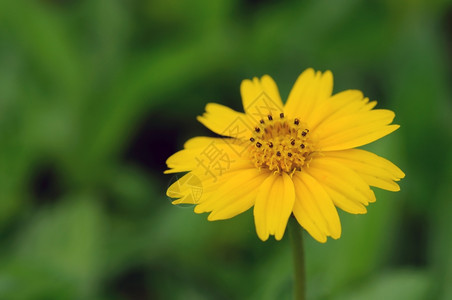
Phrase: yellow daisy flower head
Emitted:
{"points": [[295, 159]]}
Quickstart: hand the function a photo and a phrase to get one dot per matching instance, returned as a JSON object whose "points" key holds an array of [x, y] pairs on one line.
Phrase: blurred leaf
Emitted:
{"points": [[60, 249], [395, 285], [45, 41]]}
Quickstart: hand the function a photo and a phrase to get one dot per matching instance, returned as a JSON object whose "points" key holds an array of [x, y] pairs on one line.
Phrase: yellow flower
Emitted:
{"points": [[298, 158]]}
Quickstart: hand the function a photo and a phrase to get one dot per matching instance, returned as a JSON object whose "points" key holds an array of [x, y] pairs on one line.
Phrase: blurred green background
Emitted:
{"points": [[95, 95]]}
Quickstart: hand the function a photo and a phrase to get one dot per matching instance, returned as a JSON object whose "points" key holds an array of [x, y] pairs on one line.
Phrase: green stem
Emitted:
{"points": [[296, 233]]}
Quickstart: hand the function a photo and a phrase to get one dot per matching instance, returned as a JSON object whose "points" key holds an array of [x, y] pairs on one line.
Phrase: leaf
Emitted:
{"points": [[409, 284], [60, 249]]}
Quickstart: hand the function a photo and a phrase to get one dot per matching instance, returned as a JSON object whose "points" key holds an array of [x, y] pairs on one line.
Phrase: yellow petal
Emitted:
{"points": [[342, 201], [314, 203], [309, 91], [188, 189], [375, 170], [227, 122], [354, 130], [198, 142], [338, 105], [230, 187], [346, 188], [239, 197], [274, 204], [199, 187], [210, 155], [260, 98], [305, 221]]}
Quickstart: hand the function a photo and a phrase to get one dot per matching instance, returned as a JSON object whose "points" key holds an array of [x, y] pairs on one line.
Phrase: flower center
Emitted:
{"points": [[281, 144]]}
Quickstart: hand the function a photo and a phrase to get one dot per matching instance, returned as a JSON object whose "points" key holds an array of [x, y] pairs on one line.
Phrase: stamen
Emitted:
{"points": [[283, 145]]}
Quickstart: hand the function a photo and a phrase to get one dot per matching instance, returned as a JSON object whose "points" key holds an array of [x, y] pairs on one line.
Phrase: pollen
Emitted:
{"points": [[281, 144]]}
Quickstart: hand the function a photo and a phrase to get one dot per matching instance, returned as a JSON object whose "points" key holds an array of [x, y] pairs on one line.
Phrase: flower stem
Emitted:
{"points": [[296, 234]]}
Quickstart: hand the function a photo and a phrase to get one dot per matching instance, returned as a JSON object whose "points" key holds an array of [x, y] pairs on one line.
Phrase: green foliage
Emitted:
{"points": [[94, 95]]}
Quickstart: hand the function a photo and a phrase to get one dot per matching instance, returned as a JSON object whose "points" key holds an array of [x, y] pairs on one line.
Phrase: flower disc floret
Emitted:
{"points": [[281, 144]]}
